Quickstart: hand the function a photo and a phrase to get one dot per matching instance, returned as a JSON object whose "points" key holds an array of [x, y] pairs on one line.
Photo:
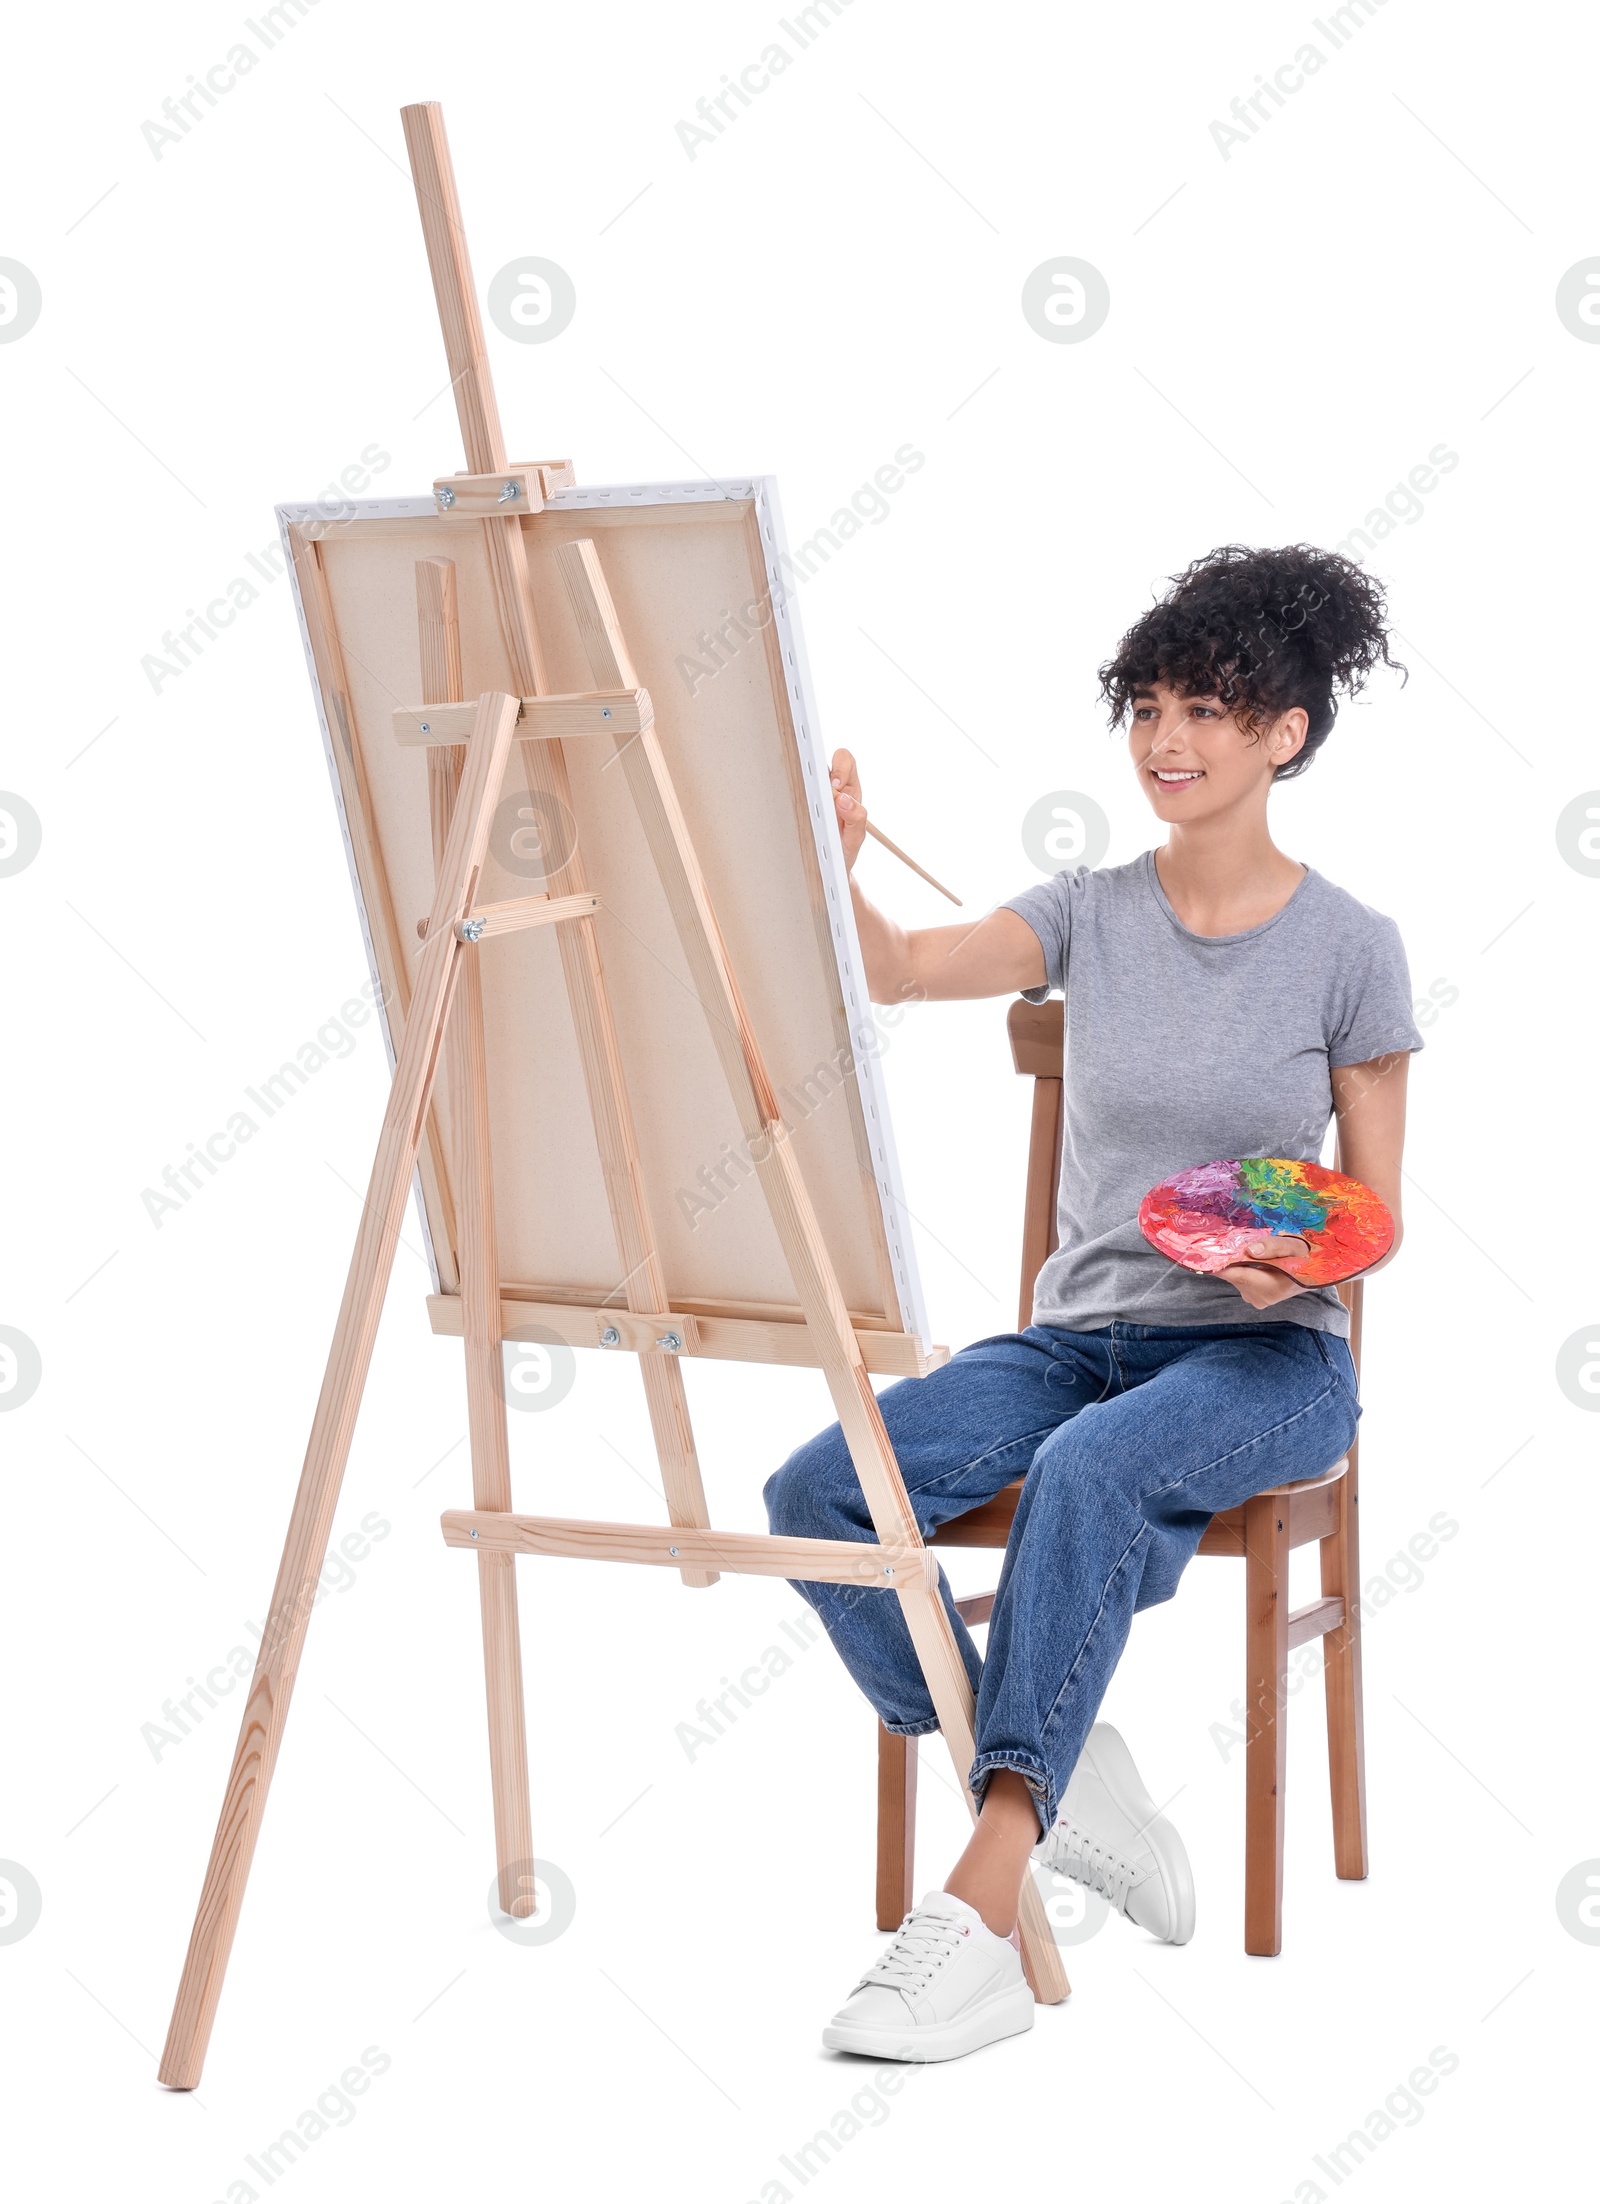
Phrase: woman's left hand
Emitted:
{"points": [[1258, 1280]]}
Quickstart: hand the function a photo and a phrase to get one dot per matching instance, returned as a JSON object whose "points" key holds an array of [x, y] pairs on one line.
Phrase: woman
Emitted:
{"points": [[1222, 1000]]}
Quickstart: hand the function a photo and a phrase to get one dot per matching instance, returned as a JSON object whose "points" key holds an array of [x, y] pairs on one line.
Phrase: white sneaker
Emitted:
{"points": [[946, 1985], [1109, 1837]]}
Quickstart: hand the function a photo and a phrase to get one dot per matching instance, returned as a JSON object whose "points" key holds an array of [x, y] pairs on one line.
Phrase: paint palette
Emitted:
{"points": [[1207, 1217]]}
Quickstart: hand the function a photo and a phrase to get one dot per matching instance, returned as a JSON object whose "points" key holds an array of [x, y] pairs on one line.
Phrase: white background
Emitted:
{"points": [[837, 274]]}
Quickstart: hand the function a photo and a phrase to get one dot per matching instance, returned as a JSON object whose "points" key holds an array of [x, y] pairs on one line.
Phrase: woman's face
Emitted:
{"points": [[1195, 761]]}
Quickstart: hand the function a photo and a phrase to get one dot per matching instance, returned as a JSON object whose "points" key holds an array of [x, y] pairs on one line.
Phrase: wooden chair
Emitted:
{"points": [[1262, 1534]]}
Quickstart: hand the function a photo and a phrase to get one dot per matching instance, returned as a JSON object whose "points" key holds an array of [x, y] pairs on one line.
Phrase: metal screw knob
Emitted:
{"points": [[446, 497], [511, 490], [673, 1551], [611, 1337], [424, 727], [472, 1534], [670, 1342], [472, 929]]}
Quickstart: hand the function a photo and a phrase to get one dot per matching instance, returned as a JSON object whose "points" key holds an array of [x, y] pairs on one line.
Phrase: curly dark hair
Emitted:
{"points": [[1261, 631]]}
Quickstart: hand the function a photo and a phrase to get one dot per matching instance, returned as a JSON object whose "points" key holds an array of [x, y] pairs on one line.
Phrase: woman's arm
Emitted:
{"points": [[997, 955], [1369, 1102]]}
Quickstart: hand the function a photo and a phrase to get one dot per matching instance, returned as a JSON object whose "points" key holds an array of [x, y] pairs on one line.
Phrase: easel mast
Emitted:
{"points": [[465, 785]]}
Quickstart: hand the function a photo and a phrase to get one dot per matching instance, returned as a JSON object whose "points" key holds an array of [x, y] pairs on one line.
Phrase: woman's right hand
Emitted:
{"points": [[848, 807], [996, 955]]}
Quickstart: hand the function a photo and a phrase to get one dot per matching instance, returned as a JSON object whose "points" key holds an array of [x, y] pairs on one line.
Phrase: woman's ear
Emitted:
{"points": [[1288, 735]]}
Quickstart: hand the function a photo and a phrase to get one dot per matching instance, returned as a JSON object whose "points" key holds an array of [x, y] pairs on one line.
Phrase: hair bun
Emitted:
{"points": [[1263, 631]]}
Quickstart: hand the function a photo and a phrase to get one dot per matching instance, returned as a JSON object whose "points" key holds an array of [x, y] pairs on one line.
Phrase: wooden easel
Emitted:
{"points": [[469, 748]]}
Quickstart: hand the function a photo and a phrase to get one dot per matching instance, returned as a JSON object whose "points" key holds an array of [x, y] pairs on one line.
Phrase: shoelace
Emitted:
{"points": [[921, 1947], [1085, 1860]]}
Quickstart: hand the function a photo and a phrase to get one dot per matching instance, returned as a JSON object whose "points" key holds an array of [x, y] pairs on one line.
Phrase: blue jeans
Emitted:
{"points": [[1130, 1439]]}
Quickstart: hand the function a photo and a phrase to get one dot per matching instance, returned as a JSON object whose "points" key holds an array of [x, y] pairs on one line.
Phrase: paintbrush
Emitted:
{"points": [[895, 850]]}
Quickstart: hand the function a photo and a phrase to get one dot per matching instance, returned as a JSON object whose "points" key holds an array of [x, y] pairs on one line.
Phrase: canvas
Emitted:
{"points": [[699, 577]]}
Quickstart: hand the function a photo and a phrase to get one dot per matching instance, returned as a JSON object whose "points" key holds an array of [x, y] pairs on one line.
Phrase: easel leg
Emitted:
{"points": [[644, 1279], [789, 1203], [333, 1427], [478, 1258], [491, 1457]]}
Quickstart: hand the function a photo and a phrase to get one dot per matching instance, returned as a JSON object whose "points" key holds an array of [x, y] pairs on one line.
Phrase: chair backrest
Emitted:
{"points": [[1037, 1035]]}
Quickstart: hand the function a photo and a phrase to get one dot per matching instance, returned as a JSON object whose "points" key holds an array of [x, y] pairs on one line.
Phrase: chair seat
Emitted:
{"points": [[1310, 1516]]}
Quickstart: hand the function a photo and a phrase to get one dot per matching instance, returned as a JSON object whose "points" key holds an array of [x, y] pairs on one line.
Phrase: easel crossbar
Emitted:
{"points": [[517, 914], [770, 1341], [663, 1545], [539, 718]]}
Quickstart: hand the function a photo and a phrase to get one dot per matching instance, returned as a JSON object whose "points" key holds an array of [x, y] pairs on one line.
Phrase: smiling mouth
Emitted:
{"points": [[1176, 779]]}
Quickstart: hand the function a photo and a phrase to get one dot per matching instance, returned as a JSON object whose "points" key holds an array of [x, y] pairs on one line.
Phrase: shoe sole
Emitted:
{"points": [[1115, 1765], [1008, 2014]]}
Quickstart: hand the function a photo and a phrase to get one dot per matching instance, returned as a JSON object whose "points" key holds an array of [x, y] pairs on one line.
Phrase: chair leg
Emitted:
{"points": [[1266, 1565], [1341, 1657], [897, 1825]]}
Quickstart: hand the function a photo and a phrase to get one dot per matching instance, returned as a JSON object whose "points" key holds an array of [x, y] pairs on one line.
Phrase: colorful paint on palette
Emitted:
{"points": [[1206, 1218]]}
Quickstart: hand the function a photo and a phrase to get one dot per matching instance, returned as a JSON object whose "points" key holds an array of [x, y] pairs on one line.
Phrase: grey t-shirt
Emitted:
{"points": [[1185, 1048]]}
